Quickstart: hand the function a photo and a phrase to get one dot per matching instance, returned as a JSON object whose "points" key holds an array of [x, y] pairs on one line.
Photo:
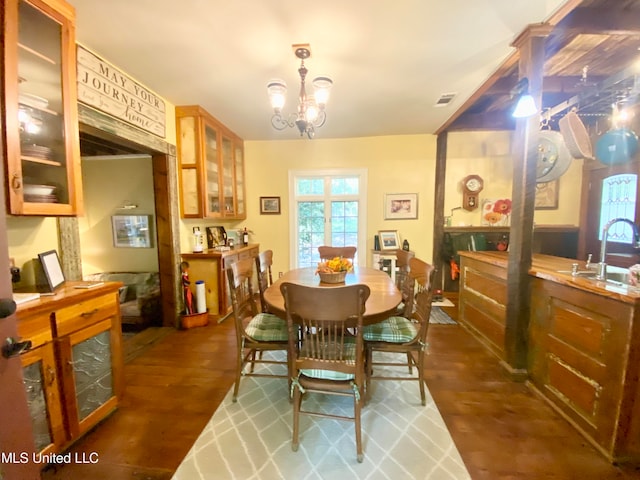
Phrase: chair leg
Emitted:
{"points": [[368, 368], [253, 360], [239, 365], [357, 408], [297, 398], [421, 380], [409, 362]]}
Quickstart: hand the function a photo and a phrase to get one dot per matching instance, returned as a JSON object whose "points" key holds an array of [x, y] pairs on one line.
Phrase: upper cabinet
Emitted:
{"points": [[211, 166], [42, 164]]}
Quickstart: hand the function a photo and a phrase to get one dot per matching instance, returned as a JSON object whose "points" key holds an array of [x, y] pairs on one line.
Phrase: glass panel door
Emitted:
{"points": [[329, 210], [212, 171], [40, 107], [92, 372]]}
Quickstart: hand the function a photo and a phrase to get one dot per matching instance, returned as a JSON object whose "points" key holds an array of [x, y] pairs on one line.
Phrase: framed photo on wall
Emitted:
{"points": [[269, 205], [547, 195], [389, 240], [400, 206], [132, 231]]}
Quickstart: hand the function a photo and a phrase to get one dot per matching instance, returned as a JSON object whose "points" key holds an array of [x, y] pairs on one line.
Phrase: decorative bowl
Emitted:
{"points": [[335, 277]]}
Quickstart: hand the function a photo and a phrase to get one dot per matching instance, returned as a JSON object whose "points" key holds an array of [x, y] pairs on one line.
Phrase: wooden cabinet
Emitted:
{"points": [[582, 343], [74, 369], [385, 260], [211, 266], [211, 160], [41, 124]]}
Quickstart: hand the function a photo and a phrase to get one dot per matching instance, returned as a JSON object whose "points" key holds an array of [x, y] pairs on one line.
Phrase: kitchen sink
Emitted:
{"points": [[615, 275]]}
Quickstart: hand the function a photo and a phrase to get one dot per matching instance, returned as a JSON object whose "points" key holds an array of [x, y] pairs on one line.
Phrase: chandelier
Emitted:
{"points": [[311, 113]]}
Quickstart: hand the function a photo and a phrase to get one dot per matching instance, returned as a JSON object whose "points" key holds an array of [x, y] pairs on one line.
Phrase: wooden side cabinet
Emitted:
{"points": [[211, 160], [40, 131], [211, 266], [74, 369]]}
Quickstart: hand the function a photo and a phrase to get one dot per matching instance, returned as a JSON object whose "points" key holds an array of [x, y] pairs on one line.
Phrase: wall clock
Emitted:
{"points": [[472, 185]]}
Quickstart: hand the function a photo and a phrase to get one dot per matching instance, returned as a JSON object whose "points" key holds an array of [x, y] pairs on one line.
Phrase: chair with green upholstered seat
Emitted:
{"points": [[264, 261], [256, 331], [405, 335], [327, 351]]}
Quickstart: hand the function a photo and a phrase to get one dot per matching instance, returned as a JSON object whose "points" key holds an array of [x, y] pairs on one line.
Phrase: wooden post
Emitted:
{"points": [[530, 45], [438, 217]]}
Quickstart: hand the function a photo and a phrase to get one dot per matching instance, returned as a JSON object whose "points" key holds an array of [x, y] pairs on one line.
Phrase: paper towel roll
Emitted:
{"points": [[201, 299]]}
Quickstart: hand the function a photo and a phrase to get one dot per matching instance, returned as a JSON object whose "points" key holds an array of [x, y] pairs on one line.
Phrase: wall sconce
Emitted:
{"points": [[525, 107]]}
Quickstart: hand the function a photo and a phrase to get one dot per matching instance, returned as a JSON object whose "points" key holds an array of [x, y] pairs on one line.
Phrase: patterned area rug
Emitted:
{"points": [[439, 316], [251, 439]]}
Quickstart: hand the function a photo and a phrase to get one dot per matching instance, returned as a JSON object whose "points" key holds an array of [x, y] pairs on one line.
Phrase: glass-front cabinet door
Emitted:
{"points": [[212, 172], [42, 386], [228, 185], [210, 159], [240, 187], [41, 130]]}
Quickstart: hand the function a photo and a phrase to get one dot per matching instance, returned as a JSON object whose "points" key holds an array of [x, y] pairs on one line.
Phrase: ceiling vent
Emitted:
{"points": [[444, 99]]}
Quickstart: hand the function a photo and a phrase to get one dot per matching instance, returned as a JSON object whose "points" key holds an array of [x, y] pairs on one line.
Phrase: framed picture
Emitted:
{"points": [[546, 195], [131, 231], [400, 206], [269, 205], [389, 240], [52, 270]]}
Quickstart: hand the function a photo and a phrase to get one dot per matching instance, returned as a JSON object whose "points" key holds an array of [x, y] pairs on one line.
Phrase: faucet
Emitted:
{"points": [[602, 266]]}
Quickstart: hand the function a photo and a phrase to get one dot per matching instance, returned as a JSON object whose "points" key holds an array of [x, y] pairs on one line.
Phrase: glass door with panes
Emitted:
{"points": [[329, 209]]}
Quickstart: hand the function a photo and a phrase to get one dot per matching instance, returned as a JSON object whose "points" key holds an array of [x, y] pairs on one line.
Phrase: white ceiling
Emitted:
{"points": [[389, 60]]}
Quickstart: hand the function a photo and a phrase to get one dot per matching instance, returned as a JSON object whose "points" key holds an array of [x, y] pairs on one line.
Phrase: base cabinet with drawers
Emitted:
{"points": [[211, 266], [73, 372]]}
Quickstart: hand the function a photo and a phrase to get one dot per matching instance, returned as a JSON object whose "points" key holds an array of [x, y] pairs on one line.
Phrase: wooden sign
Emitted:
{"points": [[104, 87]]}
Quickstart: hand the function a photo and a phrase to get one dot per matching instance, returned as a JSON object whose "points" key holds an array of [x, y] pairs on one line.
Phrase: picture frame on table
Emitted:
{"points": [[399, 206], [269, 205], [389, 239]]}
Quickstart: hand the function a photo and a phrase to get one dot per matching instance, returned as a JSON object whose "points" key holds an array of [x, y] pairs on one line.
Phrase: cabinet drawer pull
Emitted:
{"points": [[88, 314]]}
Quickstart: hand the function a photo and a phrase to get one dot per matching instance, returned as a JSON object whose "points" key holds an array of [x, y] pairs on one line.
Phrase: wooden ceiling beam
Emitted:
{"points": [[601, 20], [507, 67]]}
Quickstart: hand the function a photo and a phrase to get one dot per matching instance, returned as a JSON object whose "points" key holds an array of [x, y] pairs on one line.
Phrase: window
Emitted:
{"points": [[328, 208], [618, 201]]}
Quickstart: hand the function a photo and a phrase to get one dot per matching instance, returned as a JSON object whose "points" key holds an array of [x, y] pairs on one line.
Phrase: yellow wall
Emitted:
{"points": [[108, 185], [488, 154], [395, 164]]}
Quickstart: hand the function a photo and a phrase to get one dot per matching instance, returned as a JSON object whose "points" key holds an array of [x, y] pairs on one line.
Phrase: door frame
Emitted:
{"points": [[165, 186]]}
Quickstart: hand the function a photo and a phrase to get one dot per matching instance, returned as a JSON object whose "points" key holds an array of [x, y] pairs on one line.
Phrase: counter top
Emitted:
{"points": [[552, 268], [66, 295], [214, 252], [490, 228]]}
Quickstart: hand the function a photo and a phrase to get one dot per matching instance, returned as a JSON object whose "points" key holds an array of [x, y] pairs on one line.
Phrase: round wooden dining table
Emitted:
{"points": [[381, 304]]}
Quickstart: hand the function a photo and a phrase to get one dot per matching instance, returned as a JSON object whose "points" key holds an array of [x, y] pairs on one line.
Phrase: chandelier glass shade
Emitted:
{"points": [[311, 108]]}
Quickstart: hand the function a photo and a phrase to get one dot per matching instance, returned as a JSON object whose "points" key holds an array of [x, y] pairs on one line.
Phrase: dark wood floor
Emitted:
{"points": [[502, 430]]}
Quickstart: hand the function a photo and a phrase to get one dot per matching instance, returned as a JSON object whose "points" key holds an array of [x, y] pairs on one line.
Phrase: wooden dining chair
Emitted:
{"points": [[256, 332], [404, 282], [327, 352], [327, 253], [404, 335], [264, 260]]}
